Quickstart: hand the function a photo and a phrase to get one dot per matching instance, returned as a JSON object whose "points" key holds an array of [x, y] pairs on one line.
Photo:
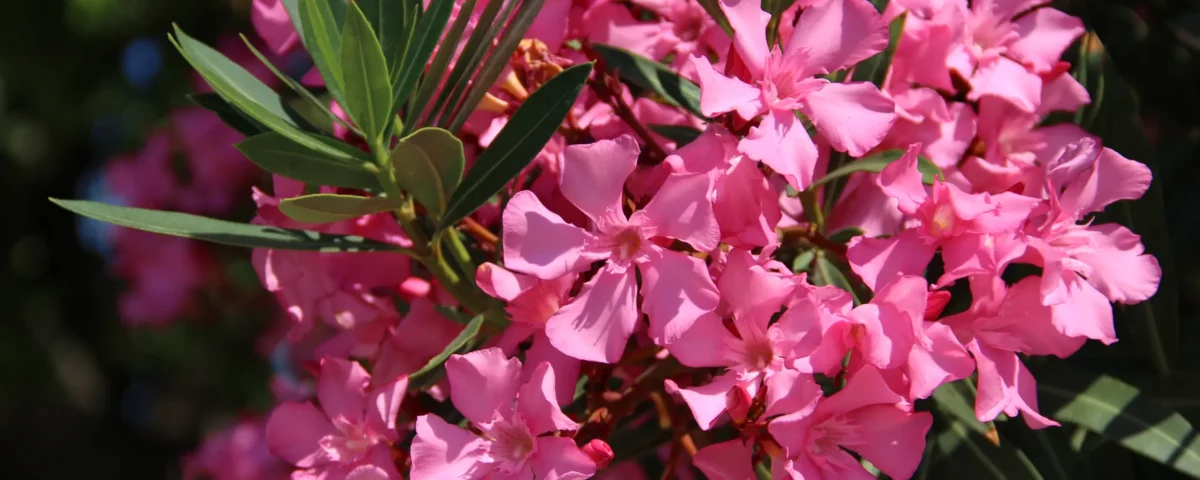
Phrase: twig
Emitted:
{"points": [[480, 232]]}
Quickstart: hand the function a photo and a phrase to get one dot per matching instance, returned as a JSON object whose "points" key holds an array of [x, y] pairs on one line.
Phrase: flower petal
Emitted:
{"points": [[442, 451], [565, 368], [593, 176], [539, 242], [725, 461], [901, 180], [482, 383], [839, 33], [385, 404], [720, 94], [537, 403], [558, 458], [749, 23], [1044, 34], [894, 438], [681, 210], [854, 117], [341, 389], [782, 143], [880, 260], [676, 291], [598, 322], [707, 402], [294, 432]]}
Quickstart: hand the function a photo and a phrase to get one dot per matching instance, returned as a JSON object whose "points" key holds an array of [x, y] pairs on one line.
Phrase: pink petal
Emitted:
{"points": [[720, 94], [894, 439], [901, 180], [945, 360], [707, 402], [382, 414], [1010, 81], [749, 23], [725, 461], [537, 402], [442, 451], [271, 21], [681, 210], [746, 286], [598, 322], [746, 207], [499, 282], [839, 33], [864, 388], [1063, 93], [1045, 34], [1118, 178], [676, 291], [1121, 271], [341, 389], [1005, 385], [703, 344], [792, 431], [294, 432], [888, 337], [613, 24], [593, 177], [482, 383], [549, 26], [1086, 313], [558, 458], [791, 391], [854, 117], [565, 369], [781, 142], [377, 466], [539, 242], [880, 260], [1036, 331]]}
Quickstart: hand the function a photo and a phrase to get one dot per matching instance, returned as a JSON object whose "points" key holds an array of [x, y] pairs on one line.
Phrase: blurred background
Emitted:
{"points": [[120, 352]]}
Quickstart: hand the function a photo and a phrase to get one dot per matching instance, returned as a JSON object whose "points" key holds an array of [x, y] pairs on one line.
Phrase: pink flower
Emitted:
{"points": [[596, 324], [1086, 266], [995, 330], [854, 117], [164, 275], [683, 30], [271, 21], [512, 417], [974, 232], [349, 437], [238, 452]]}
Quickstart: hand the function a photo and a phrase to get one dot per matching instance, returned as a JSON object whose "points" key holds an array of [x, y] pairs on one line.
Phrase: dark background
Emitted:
{"points": [[82, 395]]}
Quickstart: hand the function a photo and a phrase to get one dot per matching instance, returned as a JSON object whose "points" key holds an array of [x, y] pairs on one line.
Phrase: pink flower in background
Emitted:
{"points": [[238, 452], [676, 289], [682, 30], [513, 418], [349, 437], [854, 117], [271, 21], [164, 275]]}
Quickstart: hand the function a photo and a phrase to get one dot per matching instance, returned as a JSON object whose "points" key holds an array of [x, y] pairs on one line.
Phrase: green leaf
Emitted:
{"points": [[968, 454], [365, 74], [321, 30], [317, 105], [499, 58], [429, 164], [844, 235], [328, 207], [679, 134], [1120, 412], [425, 38], [527, 131], [228, 113], [875, 163], [874, 69], [431, 80], [826, 272], [653, 76], [221, 231], [462, 343], [392, 22], [248, 94], [714, 10], [276, 153], [491, 20]]}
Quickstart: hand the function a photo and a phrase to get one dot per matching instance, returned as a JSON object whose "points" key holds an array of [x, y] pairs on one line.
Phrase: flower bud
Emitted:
{"points": [[737, 403], [600, 453]]}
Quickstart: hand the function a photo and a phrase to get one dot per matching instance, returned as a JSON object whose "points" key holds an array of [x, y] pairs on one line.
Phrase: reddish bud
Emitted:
{"points": [[935, 302], [600, 453], [737, 403]]}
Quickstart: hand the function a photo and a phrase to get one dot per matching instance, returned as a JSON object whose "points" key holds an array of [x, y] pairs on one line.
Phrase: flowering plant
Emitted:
{"points": [[533, 238]]}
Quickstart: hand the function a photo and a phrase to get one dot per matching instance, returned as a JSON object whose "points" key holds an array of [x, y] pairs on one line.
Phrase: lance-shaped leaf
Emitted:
{"points": [[470, 56], [229, 114], [346, 166], [393, 22], [365, 75], [248, 94], [423, 100], [653, 76], [527, 131], [328, 207], [424, 38], [434, 368], [1120, 412], [826, 272], [222, 231], [875, 163], [429, 164], [321, 30]]}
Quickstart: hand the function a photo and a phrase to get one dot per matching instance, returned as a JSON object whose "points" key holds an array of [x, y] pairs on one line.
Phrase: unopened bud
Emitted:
{"points": [[935, 302], [737, 403], [600, 453]]}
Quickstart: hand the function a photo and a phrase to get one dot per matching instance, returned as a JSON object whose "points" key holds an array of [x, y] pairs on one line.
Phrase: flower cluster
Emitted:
{"points": [[628, 267]]}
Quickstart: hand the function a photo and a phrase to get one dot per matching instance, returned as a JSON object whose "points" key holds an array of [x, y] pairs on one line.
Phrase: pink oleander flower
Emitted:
{"points": [[1000, 324], [350, 436], [164, 276], [272, 22], [830, 35], [975, 232], [676, 289], [865, 417], [513, 419], [217, 173], [1087, 266], [238, 452], [682, 30]]}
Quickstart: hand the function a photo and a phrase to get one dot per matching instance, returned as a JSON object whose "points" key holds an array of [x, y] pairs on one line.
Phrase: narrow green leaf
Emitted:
{"points": [[322, 34], [844, 235], [315, 103], [967, 454], [875, 163], [221, 231], [1120, 412], [431, 80], [460, 344], [826, 272], [328, 207], [498, 59], [491, 20], [248, 94], [429, 164], [874, 69], [275, 153], [714, 10], [527, 131], [425, 38], [653, 76], [365, 75], [679, 134], [389, 19], [228, 113]]}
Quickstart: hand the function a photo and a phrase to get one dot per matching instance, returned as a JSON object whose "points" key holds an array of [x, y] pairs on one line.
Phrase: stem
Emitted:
{"points": [[607, 86], [812, 208]]}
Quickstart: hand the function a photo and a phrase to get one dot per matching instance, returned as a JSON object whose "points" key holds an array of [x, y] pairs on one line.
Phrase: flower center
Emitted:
{"points": [[627, 244], [833, 434], [512, 443], [942, 220]]}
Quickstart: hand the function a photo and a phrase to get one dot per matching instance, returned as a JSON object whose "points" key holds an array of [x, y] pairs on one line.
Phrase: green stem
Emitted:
{"points": [[812, 208]]}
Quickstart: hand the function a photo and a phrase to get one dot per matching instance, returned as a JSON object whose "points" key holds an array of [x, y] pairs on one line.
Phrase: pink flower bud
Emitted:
{"points": [[600, 453], [935, 302], [737, 402]]}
